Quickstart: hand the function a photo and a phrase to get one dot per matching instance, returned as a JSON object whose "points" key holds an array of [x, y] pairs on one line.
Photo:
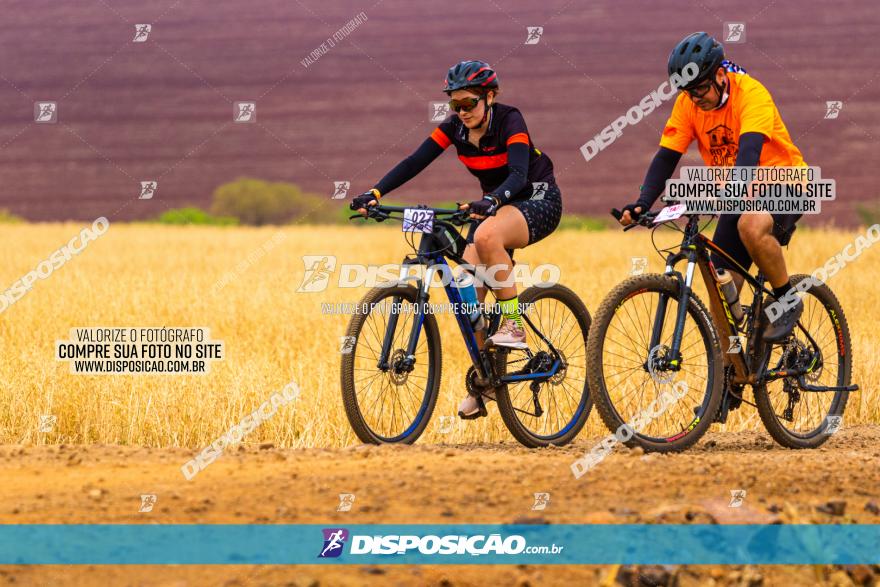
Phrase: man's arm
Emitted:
{"points": [[750, 145], [677, 136], [661, 169]]}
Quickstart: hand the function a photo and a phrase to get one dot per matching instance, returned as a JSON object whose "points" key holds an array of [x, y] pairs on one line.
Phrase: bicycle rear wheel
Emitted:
{"points": [[806, 419], [557, 412], [391, 403], [631, 383]]}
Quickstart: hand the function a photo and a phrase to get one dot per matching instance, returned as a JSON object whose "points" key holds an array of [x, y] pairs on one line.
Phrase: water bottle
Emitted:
{"points": [[731, 295], [464, 282]]}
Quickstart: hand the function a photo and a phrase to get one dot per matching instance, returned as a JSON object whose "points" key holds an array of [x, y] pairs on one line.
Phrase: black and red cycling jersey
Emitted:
{"points": [[506, 161]]}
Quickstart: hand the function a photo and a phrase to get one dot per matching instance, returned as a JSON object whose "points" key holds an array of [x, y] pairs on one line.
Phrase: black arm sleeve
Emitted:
{"points": [[518, 170], [410, 167], [750, 145], [661, 169]]}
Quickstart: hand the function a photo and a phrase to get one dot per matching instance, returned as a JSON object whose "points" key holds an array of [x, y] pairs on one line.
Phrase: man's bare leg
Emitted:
{"points": [[756, 232]]}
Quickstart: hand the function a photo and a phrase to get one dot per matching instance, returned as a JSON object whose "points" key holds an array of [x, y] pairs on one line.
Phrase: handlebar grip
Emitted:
{"points": [[616, 213]]}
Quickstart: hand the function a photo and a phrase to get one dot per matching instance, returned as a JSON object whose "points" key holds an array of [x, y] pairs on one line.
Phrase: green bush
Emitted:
{"points": [[256, 202], [869, 214], [7, 217], [193, 215]]}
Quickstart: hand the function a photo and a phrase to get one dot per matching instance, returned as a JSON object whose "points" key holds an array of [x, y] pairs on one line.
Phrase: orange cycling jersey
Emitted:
{"points": [[749, 108]]}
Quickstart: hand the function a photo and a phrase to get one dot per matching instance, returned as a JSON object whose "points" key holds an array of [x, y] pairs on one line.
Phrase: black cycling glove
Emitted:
{"points": [[363, 200], [632, 209], [484, 207]]}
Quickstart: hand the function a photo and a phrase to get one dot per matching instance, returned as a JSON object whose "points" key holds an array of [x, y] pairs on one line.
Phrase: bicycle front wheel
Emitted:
{"points": [[390, 402], [641, 394]]}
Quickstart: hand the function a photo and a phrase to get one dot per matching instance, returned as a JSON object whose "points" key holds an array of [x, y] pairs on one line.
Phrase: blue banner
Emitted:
{"points": [[196, 544]]}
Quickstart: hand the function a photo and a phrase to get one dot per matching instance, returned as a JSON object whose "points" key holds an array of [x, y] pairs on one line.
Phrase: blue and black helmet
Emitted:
{"points": [[701, 49]]}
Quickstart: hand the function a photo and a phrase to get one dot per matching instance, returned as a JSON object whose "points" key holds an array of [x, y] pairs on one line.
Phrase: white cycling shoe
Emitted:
{"points": [[509, 335], [472, 407]]}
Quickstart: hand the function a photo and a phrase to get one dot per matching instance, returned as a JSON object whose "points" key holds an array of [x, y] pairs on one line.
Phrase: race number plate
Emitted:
{"points": [[418, 220], [670, 213]]}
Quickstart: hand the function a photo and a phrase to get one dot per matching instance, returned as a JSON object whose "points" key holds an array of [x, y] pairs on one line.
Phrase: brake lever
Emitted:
{"points": [[372, 212], [462, 218]]}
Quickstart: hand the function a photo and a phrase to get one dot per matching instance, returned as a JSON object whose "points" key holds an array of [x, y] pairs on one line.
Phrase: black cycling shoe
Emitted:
{"points": [[779, 329]]}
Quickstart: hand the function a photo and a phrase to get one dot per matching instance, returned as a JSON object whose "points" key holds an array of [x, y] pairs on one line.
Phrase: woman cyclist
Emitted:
{"points": [[520, 203]]}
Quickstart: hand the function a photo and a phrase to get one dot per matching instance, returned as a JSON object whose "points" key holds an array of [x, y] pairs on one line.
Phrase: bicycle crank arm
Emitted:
{"points": [[807, 387]]}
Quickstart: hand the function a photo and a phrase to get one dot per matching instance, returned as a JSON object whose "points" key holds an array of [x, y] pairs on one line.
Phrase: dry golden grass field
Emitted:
{"points": [[151, 275]]}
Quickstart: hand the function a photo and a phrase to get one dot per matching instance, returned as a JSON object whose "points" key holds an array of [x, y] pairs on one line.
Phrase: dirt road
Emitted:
{"points": [[445, 484]]}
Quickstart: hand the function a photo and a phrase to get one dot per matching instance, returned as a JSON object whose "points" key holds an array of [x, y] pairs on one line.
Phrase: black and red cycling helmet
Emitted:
{"points": [[471, 74]]}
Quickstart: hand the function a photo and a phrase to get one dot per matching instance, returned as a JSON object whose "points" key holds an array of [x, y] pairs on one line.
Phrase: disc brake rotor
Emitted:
{"points": [[656, 364], [397, 374], [559, 376]]}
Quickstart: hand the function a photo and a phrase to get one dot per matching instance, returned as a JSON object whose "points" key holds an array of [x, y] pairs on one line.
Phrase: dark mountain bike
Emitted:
{"points": [[652, 329], [391, 370]]}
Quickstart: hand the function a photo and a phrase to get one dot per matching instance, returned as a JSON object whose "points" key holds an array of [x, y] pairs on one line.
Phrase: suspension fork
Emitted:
{"points": [[418, 318], [684, 298], [681, 314]]}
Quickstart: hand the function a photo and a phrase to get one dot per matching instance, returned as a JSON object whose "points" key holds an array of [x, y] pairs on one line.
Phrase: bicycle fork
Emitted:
{"points": [[407, 361], [672, 360]]}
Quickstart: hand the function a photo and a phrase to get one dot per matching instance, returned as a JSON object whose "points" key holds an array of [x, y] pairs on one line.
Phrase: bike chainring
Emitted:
{"points": [[474, 384], [735, 389]]}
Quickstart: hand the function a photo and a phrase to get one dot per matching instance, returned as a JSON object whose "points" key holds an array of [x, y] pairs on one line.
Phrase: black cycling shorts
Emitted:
{"points": [[542, 212], [727, 237]]}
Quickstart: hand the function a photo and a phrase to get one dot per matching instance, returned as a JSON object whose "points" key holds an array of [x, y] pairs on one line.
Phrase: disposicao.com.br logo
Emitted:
{"points": [[431, 544]]}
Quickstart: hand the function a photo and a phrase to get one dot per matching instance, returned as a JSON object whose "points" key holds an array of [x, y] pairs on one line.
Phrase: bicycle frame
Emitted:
{"points": [[749, 365], [433, 258]]}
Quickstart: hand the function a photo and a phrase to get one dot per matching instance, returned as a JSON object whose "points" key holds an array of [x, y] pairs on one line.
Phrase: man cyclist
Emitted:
{"points": [[520, 202], [735, 122]]}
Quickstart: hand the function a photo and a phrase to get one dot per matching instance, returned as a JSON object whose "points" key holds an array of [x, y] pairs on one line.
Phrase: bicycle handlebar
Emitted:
{"points": [[381, 213], [645, 218]]}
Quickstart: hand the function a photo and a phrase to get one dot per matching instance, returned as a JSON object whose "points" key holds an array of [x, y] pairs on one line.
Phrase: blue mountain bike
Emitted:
{"points": [[391, 367]]}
